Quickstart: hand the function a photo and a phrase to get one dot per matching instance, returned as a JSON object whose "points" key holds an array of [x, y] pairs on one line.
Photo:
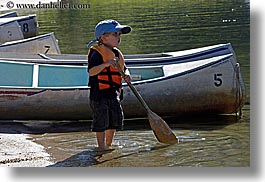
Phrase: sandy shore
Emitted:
{"points": [[16, 150], [17, 147]]}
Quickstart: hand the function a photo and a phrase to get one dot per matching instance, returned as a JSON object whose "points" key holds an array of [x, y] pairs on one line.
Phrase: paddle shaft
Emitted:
{"points": [[136, 93], [160, 128]]}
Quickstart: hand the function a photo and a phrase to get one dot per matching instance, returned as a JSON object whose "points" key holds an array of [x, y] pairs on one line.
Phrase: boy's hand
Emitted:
{"points": [[127, 78], [111, 62]]}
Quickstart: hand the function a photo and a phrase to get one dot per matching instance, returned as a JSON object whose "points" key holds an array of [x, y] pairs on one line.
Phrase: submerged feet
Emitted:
{"points": [[103, 150], [106, 148]]}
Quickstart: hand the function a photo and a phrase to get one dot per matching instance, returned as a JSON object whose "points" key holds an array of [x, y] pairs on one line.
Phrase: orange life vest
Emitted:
{"points": [[109, 77]]}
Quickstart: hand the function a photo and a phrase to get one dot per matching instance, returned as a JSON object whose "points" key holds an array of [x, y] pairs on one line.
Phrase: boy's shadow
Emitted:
{"points": [[92, 158], [83, 159]]}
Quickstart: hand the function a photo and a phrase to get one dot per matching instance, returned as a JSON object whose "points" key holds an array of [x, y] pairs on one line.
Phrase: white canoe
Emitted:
{"points": [[28, 24], [131, 60], [38, 44], [10, 31], [58, 92]]}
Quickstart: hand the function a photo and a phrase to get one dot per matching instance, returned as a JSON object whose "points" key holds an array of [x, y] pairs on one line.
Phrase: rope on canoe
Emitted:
{"points": [[239, 91]]}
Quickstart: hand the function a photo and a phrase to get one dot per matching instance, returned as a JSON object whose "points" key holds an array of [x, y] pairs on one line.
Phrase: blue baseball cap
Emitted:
{"points": [[109, 26]]}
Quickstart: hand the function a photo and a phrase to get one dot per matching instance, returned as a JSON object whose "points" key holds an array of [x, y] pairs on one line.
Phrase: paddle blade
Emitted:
{"points": [[161, 130]]}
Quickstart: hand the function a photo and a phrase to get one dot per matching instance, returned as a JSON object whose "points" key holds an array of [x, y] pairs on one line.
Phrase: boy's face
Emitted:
{"points": [[112, 39]]}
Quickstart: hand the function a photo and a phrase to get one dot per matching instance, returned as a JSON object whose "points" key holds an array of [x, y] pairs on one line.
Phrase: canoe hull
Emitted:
{"points": [[10, 31], [211, 89], [28, 24], [34, 45], [197, 92]]}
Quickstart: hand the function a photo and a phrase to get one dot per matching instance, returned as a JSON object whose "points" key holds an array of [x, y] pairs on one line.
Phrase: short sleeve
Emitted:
{"points": [[94, 59]]}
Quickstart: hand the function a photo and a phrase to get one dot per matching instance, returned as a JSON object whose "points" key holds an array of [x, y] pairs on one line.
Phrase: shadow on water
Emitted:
{"points": [[193, 122], [92, 157], [202, 122], [198, 122]]}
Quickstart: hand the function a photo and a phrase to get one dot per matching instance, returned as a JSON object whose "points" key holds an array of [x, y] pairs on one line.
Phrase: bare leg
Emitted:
{"points": [[101, 139], [109, 136]]}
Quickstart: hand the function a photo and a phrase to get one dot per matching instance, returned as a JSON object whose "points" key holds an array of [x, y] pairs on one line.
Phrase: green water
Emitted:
{"points": [[158, 26]]}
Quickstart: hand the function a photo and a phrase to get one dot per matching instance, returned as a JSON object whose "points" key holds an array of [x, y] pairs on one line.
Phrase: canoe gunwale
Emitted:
{"points": [[169, 60]]}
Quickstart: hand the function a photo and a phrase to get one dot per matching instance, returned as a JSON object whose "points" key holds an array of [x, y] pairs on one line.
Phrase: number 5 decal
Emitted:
{"points": [[217, 79]]}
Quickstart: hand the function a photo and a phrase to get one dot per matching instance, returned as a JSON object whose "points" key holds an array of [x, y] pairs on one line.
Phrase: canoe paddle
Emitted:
{"points": [[160, 128]]}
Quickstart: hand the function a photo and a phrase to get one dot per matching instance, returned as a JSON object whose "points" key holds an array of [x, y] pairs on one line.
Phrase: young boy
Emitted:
{"points": [[105, 81]]}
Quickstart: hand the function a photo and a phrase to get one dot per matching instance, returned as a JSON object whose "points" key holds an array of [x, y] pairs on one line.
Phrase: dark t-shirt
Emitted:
{"points": [[95, 59]]}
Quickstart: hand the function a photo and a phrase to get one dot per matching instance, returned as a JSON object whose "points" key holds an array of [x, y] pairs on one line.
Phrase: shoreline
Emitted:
{"points": [[17, 150], [18, 147]]}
